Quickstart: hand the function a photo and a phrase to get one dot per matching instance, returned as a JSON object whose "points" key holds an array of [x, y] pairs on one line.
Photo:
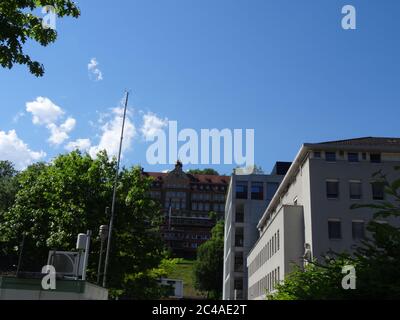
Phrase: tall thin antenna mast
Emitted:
{"points": [[114, 194]]}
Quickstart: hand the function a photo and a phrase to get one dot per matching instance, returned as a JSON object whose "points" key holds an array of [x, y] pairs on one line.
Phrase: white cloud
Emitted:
{"points": [[58, 134], [151, 124], [94, 71], [111, 133], [80, 144], [15, 150], [44, 111], [18, 116]]}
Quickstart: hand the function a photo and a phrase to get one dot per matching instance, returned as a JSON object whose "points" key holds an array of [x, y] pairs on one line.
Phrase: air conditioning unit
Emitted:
{"points": [[67, 264]]}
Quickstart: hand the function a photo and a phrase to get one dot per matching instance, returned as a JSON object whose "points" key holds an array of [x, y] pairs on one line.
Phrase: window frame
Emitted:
{"points": [[353, 222], [330, 160], [383, 191], [359, 182], [337, 221], [259, 195], [375, 161], [328, 195], [355, 160]]}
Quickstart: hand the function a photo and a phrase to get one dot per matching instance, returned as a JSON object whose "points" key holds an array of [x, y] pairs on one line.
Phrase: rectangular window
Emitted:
{"points": [[375, 158], [278, 241], [352, 157], [271, 189], [239, 213], [355, 190], [273, 245], [239, 262], [334, 229], [238, 284], [241, 190], [257, 191], [364, 156], [378, 190], [358, 230], [317, 154], [239, 237], [279, 276], [273, 279], [332, 189], [330, 156], [270, 249]]}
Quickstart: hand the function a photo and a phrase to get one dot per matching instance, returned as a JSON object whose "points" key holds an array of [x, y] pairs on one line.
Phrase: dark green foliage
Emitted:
{"points": [[8, 185], [56, 201], [208, 268], [207, 171], [18, 24]]}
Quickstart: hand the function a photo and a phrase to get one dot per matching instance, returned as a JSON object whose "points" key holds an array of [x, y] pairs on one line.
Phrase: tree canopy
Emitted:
{"points": [[207, 171], [58, 200], [18, 24], [208, 268], [8, 185]]}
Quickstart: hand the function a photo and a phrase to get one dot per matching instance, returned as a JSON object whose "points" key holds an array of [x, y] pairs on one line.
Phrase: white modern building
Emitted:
{"points": [[310, 213], [248, 196]]}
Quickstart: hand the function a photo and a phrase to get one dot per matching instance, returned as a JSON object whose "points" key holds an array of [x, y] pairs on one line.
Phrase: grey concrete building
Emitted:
{"points": [[248, 196], [310, 212]]}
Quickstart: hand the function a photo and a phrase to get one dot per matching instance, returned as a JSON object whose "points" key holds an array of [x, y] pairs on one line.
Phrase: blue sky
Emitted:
{"points": [[283, 68]]}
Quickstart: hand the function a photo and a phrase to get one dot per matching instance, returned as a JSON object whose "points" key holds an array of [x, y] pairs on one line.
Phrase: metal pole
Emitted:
{"points": [[114, 195], [21, 251], [103, 233], [86, 261], [100, 261]]}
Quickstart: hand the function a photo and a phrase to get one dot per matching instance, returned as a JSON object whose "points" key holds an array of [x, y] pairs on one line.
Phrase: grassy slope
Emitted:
{"points": [[184, 271]]}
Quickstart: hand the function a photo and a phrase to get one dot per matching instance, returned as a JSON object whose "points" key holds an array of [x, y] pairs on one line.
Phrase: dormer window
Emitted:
{"points": [[375, 158], [330, 156], [353, 157]]}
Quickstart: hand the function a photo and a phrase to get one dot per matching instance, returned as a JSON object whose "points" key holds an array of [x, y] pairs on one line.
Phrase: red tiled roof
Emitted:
{"points": [[206, 178], [195, 178]]}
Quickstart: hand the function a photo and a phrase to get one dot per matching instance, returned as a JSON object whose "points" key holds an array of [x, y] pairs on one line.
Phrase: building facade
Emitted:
{"points": [[247, 198], [187, 200], [310, 213]]}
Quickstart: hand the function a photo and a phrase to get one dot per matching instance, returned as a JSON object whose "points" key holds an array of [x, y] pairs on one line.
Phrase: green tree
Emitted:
{"points": [[56, 201], [8, 185], [8, 190], [376, 260], [316, 281], [18, 24], [207, 171], [208, 267]]}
